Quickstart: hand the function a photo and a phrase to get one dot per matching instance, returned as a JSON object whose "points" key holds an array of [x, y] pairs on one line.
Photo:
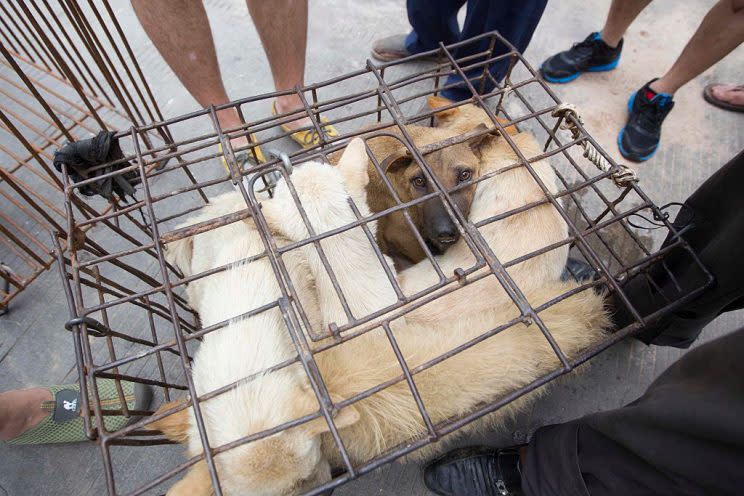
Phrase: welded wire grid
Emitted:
{"points": [[67, 71], [125, 292]]}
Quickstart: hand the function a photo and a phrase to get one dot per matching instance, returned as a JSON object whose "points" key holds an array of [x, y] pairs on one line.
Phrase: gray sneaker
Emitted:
{"points": [[393, 48]]}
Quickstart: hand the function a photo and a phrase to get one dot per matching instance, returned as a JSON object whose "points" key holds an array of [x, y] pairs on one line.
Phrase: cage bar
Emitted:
{"points": [[120, 289]]}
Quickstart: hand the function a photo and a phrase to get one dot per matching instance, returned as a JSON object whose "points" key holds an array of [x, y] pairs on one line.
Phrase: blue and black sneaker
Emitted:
{"points": [[647, 110], [590, 55]]}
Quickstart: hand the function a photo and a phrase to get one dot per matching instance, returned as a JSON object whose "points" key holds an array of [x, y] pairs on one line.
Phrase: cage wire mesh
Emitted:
{"points": [[67, 72], [392, 363]]}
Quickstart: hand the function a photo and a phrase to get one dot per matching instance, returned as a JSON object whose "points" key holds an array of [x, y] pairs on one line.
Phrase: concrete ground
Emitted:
{"points": [[698, 138]]}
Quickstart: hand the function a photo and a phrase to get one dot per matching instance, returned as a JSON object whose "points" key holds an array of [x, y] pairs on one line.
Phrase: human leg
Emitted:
{"points": [[719, 33], [21, 410], [515, 21], [432, 21], [600, 51], [621, 15], [53, 414], [721, 30], [683, 436], [183, 38], [282, 27], [713, 225]]}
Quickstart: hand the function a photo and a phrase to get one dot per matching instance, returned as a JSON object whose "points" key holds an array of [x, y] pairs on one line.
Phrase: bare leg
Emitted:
{"points": [[621, 15], [721, 31], [21, 410], [182, 36], [282, 26]]}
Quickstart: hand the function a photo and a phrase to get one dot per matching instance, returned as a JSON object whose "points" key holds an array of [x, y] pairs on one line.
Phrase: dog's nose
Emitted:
{"points": [[447, 238]]}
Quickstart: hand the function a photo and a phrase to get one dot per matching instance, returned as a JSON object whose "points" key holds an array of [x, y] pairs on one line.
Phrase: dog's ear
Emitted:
{"points": [[179, 253], [174, 426], [436, 102], [353, 165], [510, 130], [478, 143], [196, 482], [396, 161]]}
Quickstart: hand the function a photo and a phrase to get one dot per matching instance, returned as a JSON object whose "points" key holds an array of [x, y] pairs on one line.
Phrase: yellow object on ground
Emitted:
{"points": [[245, 156], [308, 138]]}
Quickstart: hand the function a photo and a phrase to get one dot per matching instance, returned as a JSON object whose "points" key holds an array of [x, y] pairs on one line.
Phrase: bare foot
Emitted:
{"points": [[728, 93], [288, 103], [229, 119], [21, 410]]}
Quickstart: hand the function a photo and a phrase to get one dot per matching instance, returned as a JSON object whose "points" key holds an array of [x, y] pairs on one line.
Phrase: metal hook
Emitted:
{"points": [[284, 158]]}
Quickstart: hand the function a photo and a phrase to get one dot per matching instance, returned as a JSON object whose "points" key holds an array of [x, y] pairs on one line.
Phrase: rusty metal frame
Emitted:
{"points": [[93, 293], [67, 71]]}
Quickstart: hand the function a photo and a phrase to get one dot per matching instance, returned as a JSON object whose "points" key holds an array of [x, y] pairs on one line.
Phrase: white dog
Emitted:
{"points": [[291, 460], [250, 344]]}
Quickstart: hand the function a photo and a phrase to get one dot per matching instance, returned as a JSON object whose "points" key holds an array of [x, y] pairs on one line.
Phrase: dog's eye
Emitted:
{"points": [[419, 181], [465, 176]]}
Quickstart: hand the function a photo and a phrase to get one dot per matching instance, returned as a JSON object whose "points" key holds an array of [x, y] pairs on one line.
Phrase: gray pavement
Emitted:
{"points": [[698, 138]]}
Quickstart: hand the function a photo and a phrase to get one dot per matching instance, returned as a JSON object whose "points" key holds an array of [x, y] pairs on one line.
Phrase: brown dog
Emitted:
{"points": [[464, 117], [452, 166]]}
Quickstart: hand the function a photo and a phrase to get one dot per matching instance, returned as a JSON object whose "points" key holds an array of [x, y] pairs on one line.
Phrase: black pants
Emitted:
{"points": [[685, 435], [714, 220], [436, 20]]}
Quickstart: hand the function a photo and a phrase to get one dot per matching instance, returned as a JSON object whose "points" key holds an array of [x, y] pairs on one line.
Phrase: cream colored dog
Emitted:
{"points": [[508, 188], [249, 345], [292, 460]]}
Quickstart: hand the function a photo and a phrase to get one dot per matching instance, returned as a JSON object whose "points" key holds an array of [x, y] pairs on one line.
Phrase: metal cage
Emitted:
{"points": [[122, 292], [67, 72]]}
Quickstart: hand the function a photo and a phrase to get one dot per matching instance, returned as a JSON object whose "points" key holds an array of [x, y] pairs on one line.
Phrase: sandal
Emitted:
{"points": [[308, 138], [710, 98], [244, 157], [65, 423]]}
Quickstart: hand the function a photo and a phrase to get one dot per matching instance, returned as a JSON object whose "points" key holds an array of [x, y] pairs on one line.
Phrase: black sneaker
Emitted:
{"points": [[477, 471], [639, 139], [591, 55]]}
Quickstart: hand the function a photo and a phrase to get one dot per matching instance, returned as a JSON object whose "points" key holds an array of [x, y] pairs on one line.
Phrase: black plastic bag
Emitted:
{"points": [[80, 156]]}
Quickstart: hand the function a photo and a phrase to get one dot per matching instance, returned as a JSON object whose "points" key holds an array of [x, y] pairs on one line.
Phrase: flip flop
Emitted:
{"points": [[308, 138], [65, 423], [720, 103], [244, 157]]}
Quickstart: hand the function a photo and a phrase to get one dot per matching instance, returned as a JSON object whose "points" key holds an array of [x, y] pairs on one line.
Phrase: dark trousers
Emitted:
{"points": [[685, 435], [713, 223], [436, 20]]}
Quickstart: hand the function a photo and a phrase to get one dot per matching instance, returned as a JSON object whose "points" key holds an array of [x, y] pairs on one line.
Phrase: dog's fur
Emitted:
{"points": [[509, 238], [450, 165], [274, 465], [457, 385], [286, 462], [462, 118]]}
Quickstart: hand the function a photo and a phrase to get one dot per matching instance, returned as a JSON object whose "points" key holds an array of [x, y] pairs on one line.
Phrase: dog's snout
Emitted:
{"points": [[447, 237]]}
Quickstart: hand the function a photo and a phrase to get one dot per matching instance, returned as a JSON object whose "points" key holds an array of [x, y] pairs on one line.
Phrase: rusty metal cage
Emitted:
{"points": [[122, 290], [67, 72]]}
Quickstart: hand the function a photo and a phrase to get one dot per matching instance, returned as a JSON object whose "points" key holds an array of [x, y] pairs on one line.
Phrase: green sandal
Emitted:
{"points": [[65, 423]]}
